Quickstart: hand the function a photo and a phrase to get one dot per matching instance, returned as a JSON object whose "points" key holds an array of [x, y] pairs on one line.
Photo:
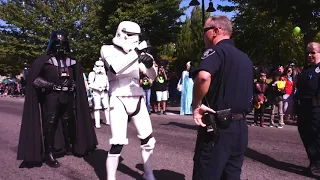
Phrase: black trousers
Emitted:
{"points": [[223, 160], [58, 106], [309, 130]]}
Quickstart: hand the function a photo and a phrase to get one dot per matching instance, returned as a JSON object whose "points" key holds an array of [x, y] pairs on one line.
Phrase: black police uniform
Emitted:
{"points": [[224, 158], [308, 111]]}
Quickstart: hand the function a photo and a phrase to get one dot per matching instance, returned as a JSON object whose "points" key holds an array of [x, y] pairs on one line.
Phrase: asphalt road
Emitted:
{"points": [[272, 153]]}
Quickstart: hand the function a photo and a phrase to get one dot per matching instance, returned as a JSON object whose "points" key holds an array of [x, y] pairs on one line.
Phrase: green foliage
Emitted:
{"points": [[89, 23], [157, 18], [190, 43], [263, 29], [28, 27], [167, 53]]}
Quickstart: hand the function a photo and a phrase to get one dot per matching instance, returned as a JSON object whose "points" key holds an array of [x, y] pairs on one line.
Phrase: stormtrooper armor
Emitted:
{"points": [[98, 81], [125, 58]]}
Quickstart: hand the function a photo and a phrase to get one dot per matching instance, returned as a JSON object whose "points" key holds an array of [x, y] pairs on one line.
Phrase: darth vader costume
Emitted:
{"points": [[56, 112]]}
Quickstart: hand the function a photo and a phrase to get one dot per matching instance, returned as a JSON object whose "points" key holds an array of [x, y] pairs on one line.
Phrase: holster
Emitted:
{"points": [[223, 118], [219, 120], [211, 127]]}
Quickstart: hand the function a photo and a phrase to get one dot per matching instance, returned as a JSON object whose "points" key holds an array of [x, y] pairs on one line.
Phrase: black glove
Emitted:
{"points": [[138, 51], [146, 59], [42, 83]]}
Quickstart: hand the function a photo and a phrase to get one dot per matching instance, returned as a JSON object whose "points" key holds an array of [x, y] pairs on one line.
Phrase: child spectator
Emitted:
{"points": [[275, 98], [260, 88]]}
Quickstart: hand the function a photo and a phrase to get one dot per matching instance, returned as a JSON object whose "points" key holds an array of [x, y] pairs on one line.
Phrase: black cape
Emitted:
{"points": [[30, 148]]}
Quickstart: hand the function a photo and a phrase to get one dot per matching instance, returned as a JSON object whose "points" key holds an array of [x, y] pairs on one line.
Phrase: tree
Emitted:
{"points": [[263, 28], [190, 44], [305, 14], [90, 24], [157, 18], [167, 53], [28, 26], [185, 43]]}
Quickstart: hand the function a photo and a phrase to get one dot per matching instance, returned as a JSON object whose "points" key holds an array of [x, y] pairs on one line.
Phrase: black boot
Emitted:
{"points": [[69, 150], [49, 146], [68, 135], [51, 161]]}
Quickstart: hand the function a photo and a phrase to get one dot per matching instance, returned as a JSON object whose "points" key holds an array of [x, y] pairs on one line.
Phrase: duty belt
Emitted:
{"points": [[238, 117], [62, 88]]}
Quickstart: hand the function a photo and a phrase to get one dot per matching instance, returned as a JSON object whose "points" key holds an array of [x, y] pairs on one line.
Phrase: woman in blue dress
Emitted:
{"points": [[186, 91]]}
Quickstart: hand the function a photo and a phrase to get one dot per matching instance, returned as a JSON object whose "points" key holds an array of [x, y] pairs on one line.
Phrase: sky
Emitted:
{"points": [[206, 4]]}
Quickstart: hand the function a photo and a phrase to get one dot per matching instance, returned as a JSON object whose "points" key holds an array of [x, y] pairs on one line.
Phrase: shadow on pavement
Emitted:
{"points": [[173, 111], [97, 159], [164, 174], [181, 125], [159, 174], [271, 162], [29, 165], [127, 170]]}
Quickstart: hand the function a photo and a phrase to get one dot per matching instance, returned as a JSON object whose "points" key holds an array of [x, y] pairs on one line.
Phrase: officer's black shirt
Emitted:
{"points": [[308, 84], [236, 90]]}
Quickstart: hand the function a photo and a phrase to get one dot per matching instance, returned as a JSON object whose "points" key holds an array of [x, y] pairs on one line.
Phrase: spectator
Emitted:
{"points": [[288, 97], [146, 83], [161, 90], [186, 91], [260, 99], [275, 99]]}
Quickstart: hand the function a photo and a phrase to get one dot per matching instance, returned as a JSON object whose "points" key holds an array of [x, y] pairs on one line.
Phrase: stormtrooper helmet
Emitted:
{"points": [[127, 35], [99, 67]]}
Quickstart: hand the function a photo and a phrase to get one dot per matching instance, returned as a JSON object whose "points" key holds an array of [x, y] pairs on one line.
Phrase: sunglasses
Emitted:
{"points": [[312, 52], [208, 28]]}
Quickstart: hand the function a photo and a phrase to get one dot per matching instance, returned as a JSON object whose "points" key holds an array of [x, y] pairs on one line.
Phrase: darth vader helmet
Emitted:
{"points": [[58, 43]]}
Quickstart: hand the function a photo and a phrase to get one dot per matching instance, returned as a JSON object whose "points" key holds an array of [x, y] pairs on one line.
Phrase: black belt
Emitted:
{"points": [[62, 88], [238, 117]]}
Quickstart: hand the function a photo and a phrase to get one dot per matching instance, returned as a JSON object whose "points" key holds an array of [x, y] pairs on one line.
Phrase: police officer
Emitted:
{"points": [[308, 95], [223, 80]]}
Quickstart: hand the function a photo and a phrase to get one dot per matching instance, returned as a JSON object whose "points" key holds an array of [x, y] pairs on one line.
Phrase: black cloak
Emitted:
{"points": [[30, 148]]}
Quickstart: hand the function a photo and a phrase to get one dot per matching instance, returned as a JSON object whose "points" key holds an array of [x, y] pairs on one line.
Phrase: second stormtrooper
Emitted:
{"points": [[98, 81]]}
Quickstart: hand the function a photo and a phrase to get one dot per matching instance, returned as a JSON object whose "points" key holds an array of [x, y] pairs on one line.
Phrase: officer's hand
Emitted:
{"points": [[199, 112]]}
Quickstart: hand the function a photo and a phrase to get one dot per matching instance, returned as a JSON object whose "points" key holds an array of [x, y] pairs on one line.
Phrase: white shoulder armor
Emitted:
{"points": [[91, 78], [116, 59]]}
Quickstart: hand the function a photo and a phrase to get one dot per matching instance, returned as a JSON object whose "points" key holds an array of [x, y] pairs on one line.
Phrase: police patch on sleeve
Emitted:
{"points": [[208, 53]]}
